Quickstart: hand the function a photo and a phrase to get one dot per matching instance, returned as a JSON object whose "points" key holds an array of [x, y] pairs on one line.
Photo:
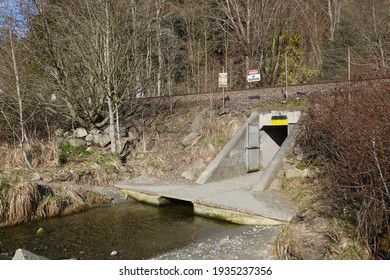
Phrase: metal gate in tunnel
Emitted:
{"points": [[252, 148]]}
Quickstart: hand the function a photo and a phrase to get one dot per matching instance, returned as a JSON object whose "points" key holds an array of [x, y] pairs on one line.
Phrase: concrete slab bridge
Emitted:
{"points": [[235, 186]]}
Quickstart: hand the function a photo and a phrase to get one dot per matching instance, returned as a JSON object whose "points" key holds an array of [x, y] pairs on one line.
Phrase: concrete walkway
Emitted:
{"points": [[231, 200]]}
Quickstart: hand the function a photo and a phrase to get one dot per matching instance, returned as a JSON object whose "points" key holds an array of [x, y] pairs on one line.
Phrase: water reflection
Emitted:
{"points": [[134, 230]]}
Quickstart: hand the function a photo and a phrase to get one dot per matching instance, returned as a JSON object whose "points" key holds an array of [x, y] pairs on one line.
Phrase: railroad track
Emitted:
{"points": [[244, 99]]}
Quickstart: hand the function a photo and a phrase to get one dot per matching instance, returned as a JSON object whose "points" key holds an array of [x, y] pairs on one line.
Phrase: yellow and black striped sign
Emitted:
{"points": [[279, 120]]}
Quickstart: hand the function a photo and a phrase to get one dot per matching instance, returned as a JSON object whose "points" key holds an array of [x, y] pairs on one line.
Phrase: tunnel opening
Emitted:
{"points": [[179, 202], [271, 139], [277, 133]]}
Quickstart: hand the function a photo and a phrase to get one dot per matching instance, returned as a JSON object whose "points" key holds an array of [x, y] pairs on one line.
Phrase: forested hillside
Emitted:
{"points": [[78, 62], [67, 65]]}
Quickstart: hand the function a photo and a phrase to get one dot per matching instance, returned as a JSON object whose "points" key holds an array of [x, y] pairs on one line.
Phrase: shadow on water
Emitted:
{"points": [[134, 230]]}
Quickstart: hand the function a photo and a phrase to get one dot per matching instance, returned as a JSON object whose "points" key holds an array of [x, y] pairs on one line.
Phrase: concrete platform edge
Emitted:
{"points": [[234, 216], [151, 199]]}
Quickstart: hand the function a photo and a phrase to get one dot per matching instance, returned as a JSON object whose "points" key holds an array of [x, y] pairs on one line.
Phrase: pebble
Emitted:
{"points": [[114, 253], [40, 232]]}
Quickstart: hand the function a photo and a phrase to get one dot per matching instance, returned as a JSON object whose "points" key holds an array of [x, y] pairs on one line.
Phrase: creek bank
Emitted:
{"points": [[24, 200], [318, 231], [107, 194]]}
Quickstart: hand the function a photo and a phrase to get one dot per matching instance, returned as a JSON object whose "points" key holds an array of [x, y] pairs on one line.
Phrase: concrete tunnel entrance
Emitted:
{"points": [[274, 126], [265, 138], [253, 147]]}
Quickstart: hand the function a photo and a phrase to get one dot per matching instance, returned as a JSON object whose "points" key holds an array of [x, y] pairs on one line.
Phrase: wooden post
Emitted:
{"points": [[349, 73], [223, 91], [286, 69]]}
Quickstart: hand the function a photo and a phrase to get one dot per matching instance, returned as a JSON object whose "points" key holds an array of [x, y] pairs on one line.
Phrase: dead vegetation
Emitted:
{"points": [[347, 207], [320, 230], [40, 154], [160, 151], [23, 200]]}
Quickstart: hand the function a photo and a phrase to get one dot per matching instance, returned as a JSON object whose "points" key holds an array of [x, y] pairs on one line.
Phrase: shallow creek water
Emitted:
{"points": [[134, 230]]}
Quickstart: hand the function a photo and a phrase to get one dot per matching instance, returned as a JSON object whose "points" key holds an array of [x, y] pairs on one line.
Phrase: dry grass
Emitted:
{"points": [[163, 155], [343, 242], [11, 157], [60, 201], [19, 198], [95, 198], [22, 200], [41, 155], [321, 228], [47, 208], [99, 169]]}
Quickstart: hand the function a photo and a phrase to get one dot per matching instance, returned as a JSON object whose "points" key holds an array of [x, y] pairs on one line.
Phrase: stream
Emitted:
{"points": [[135, 230]]}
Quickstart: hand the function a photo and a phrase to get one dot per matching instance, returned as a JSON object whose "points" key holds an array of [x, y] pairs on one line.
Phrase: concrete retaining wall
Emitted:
{"points": [[230, 162]]}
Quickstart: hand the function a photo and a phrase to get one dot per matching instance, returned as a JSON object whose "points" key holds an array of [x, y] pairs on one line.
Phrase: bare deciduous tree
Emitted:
{"points": [[89, 45], [12, 106]]}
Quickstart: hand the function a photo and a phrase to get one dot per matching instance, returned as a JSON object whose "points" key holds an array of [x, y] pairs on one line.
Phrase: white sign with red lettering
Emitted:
{"points": [[253, 75]]}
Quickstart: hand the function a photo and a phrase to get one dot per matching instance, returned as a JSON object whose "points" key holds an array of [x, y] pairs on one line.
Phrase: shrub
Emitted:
{"points": [[350, 130]]}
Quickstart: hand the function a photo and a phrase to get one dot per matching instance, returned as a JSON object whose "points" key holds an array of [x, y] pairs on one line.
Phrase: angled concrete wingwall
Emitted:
{"points": [[231, 161], [270, 171]]}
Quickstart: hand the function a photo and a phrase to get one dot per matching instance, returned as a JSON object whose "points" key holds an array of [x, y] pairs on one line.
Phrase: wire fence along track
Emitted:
{"points": [[243, 99], [291, 88]]}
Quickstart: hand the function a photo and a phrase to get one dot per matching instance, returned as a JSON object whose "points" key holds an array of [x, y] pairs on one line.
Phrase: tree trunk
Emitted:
{"points": [[334, 12], [159, 52], [109, 92], [378, 38], [248, 37], [205, 60], [23, 136]]}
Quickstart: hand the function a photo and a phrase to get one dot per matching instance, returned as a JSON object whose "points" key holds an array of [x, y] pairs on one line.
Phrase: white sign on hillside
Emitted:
{"points": [[222, 81], [253, 76]]}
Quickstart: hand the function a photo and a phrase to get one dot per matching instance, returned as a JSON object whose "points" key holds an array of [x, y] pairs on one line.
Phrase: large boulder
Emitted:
{"points": [[80, 132], [222, 111], [22, 254], [77, 142], [105, 140], [198, 123], [191, 139], [89, 138]]}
